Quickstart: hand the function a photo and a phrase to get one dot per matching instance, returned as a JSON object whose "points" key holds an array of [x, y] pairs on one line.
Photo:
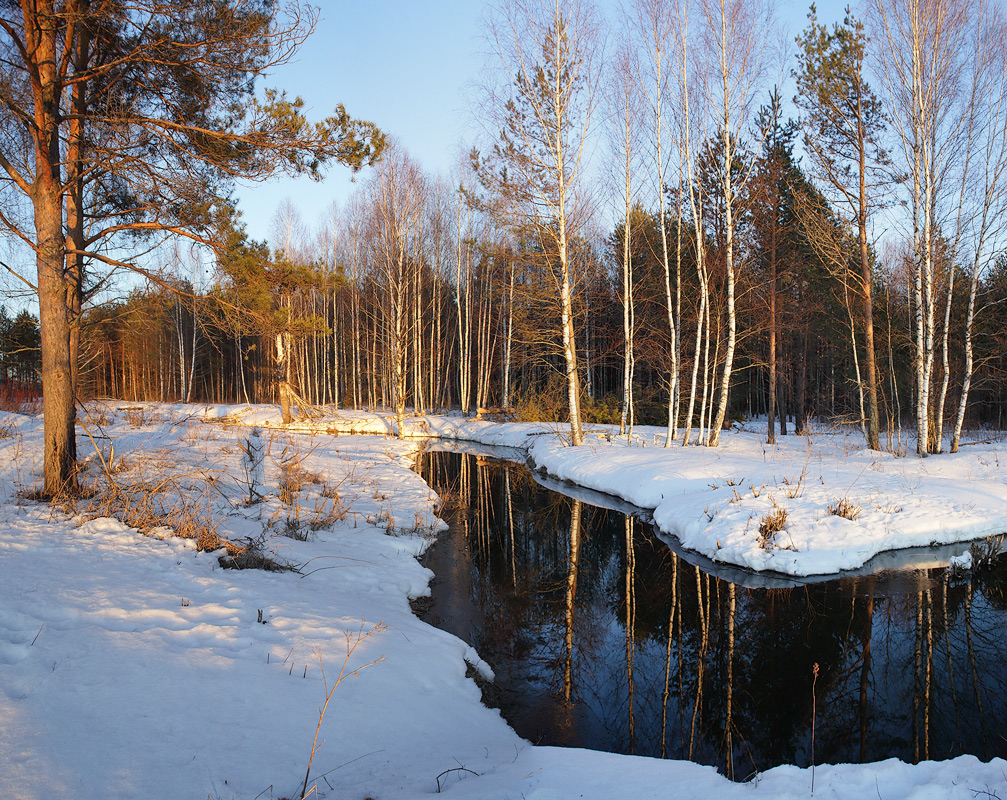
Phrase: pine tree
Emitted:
{"points": [[138, 116], [773, 222], [843, 123]]}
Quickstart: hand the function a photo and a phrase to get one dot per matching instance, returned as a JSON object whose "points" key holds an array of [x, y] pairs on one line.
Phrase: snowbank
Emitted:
{"points": [[713, 500]]}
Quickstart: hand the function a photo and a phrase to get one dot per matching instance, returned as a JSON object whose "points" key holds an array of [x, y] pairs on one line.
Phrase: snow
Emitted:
{"points": [[962, 562], [132, 665], [712, 500]]}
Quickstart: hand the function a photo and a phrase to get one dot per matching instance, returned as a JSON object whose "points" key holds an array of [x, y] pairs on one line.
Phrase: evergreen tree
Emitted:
{"points": [[843, 123], [137, 116], [774, 223]]}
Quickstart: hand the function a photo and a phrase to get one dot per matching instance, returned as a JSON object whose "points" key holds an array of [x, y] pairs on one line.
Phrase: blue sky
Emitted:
{"points": [[408, 66], [403, 64]]}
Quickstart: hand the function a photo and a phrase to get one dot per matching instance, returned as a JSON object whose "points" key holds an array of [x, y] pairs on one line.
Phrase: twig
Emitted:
{"points": [[351, 761], [352, 641], [453, 769]]}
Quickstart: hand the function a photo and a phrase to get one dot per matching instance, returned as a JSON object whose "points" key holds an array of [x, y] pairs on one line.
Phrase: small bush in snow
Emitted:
{"points": [[252, 455]]}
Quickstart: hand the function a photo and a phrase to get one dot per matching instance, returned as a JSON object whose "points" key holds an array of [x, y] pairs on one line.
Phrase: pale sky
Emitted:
{"points": [[406, 65]]}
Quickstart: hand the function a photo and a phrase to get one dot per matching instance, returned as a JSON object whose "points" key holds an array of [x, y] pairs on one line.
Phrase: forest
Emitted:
{"points": [[648, 232]]}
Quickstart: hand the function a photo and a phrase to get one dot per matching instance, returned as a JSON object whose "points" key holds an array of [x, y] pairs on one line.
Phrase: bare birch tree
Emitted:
{"points": [[624, 116], [655, 21], [691, 130], [547, 54], [935, 59], [398, 193], [736, 34], [982, 221]]}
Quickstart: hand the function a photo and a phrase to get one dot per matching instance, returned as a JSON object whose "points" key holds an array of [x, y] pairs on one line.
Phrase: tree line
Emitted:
{"points": [[743, 274], [643, 233]]}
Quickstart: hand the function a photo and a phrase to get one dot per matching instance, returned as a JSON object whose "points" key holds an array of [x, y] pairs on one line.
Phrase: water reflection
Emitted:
{"points": [[602, 636]]}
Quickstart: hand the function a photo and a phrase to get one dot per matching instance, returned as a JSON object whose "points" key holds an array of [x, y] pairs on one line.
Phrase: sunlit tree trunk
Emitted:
{"points": [[737, 38], [548, 50]]}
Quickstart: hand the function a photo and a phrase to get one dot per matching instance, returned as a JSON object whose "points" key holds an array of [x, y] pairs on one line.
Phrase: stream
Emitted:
{"points": [[604, 635]]}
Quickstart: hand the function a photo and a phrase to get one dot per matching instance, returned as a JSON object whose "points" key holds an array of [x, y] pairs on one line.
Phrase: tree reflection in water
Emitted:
{"points": [[602, 637]]}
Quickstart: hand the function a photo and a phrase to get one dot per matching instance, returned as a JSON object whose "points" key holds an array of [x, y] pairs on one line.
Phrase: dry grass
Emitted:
{"points": [[149, 506], [845, 508], [795, 488], [772, 524], [326, 513], [157, 495], [137, 416], [293, 476], [173, 504], [986, 553], [154, 509], [99, 415], [328, 507]]}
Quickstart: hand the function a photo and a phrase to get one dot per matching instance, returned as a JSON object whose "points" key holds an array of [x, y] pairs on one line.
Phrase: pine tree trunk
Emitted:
{"points": [[58, 407], [771, 432], [870, 365], [192, 364]]}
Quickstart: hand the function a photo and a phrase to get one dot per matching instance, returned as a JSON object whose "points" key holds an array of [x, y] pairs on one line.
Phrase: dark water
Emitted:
{"points": [[602, 637]]}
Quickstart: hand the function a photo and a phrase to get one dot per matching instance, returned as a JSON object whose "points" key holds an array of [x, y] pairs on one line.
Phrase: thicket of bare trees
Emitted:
{"points": [[843, 264]]}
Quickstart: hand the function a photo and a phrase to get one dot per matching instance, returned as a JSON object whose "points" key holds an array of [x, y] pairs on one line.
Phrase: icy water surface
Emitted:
{"points": [[601, 636]]}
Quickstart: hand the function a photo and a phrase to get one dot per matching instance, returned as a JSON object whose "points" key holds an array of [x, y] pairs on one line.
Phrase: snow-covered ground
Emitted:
{"points": [[135, 666], [713, 500]]}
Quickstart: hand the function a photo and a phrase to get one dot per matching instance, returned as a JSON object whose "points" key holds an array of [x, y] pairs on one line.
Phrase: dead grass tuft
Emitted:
{"points": [[293, 476], [149, 506], [845, 508], [772, 524], [795, 487], [137, 416]]}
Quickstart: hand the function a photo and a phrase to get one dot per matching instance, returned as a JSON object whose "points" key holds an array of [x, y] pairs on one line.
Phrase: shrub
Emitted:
{"points": [[547, 403], [606, 411]]}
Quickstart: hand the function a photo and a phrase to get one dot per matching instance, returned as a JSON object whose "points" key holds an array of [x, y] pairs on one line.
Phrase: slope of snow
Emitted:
{"points": [[135, 666]]}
